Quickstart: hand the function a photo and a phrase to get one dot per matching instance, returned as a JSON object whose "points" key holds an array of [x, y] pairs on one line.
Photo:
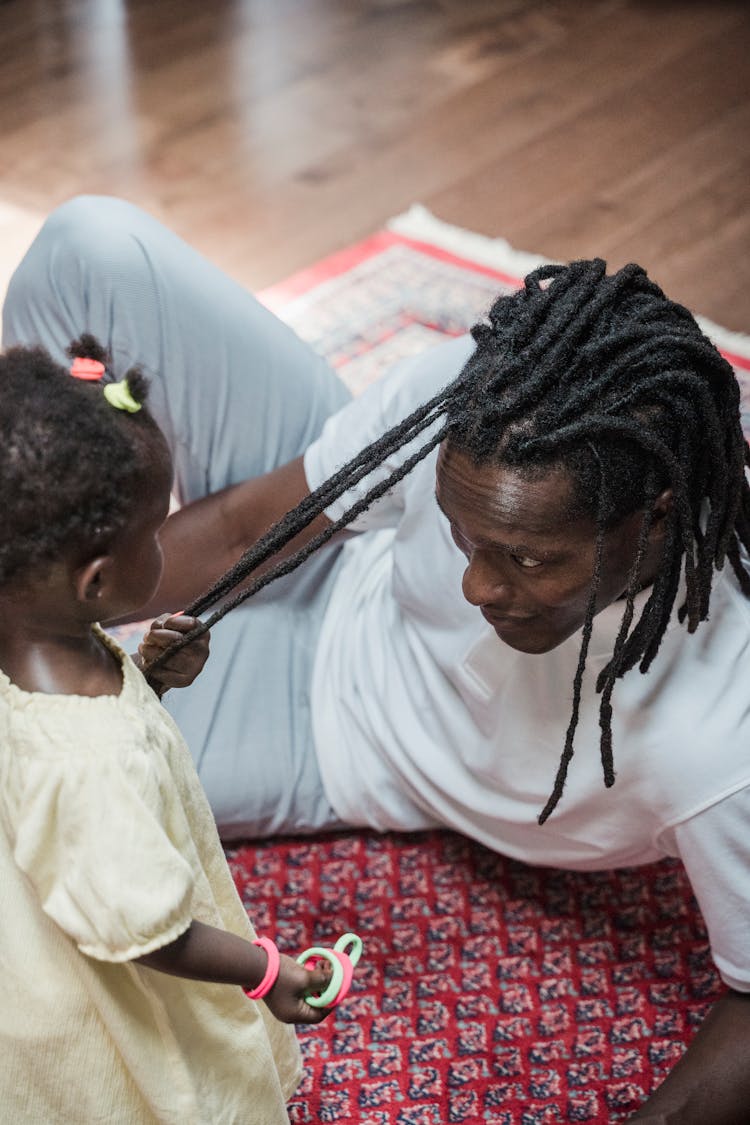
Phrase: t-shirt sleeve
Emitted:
{"points": [[383, 405], [713, 846], [102, 836]]}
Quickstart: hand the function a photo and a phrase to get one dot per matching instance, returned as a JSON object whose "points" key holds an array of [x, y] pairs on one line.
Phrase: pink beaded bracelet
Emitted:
{"points": [[272, 969]]}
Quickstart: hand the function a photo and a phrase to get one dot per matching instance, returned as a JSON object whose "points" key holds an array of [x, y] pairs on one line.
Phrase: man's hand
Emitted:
{"points": [[710, 1085], [182, 667]]}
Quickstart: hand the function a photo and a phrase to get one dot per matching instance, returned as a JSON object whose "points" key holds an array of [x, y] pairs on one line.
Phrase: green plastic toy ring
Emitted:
{"points": [[342, 962], [329, 994]]}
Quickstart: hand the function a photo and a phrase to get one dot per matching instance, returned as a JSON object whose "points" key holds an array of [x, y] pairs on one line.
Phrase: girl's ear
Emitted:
{"points": [[91, 579]]}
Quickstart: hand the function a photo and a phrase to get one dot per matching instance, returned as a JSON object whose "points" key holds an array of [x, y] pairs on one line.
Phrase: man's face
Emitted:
{"points": [[530, 564]]}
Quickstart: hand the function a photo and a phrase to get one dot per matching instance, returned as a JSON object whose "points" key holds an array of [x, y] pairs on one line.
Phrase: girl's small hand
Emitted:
{"points": [[182, 667], [287, 997]]}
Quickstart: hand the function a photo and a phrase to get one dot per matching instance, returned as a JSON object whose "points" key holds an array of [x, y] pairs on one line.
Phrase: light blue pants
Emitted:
{"points": [[236, 394]]}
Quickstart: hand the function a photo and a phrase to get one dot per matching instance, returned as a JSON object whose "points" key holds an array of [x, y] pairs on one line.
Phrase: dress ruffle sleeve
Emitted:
{"points": [[99, 828]]}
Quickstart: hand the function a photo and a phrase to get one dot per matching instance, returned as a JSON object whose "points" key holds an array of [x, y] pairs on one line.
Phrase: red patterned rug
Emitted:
{"points": [[488, 992]]}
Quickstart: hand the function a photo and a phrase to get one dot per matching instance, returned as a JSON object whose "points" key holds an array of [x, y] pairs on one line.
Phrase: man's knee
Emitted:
{"points": [[85, 227], [82, 246]]}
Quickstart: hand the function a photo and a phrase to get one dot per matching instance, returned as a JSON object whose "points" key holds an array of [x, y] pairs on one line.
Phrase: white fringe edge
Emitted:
{"points": [[18, 228], [737, 343], [422, 225]]}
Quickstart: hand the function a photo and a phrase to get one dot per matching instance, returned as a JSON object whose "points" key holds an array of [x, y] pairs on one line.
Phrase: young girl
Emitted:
{"points": [[114, 885]]}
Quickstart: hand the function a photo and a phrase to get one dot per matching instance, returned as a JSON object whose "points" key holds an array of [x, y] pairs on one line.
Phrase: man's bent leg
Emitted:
{"points": [[236, 393]]}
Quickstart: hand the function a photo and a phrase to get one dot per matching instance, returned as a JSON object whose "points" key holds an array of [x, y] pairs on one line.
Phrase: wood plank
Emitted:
{"points": [[445, 146], [271, 133]]}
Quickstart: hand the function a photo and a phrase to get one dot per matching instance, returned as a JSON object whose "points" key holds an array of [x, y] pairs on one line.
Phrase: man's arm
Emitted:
{"points": [[203, 539], [710, 1085]]}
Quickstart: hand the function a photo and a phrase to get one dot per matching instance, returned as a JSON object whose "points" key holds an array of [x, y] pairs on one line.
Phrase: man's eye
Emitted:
{"points": [[525, 561]]}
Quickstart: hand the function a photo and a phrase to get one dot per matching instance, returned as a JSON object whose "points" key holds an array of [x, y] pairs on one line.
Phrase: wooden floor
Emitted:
{"points": [[272, 132]]}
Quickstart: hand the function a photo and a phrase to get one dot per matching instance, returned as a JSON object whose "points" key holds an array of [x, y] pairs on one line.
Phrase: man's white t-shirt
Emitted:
{"points": [[422, 716]]}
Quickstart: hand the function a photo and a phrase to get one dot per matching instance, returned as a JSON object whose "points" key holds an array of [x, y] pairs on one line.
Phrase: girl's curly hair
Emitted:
{"points": [[71, 465]]}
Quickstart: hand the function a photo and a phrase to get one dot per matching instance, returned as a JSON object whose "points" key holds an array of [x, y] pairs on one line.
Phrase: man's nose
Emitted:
{"points": [[484, 584]]}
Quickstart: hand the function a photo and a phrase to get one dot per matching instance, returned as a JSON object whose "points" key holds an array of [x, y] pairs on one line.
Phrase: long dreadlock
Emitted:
{"points": [[607, 378]]}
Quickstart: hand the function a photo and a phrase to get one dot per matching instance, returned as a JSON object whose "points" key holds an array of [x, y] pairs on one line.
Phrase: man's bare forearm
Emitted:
{"points": [[204, 539], [710, 1085]]}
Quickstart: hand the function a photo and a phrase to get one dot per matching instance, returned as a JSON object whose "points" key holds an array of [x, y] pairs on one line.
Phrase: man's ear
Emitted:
{"points": [[91, 579], [663, 505]]}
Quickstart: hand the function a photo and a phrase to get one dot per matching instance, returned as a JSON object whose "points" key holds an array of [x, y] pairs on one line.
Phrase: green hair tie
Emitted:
{"points": [[119, 396]]}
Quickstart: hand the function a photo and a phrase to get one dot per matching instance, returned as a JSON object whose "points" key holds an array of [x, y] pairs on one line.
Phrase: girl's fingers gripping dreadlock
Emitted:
{"points": [[179, 667]]}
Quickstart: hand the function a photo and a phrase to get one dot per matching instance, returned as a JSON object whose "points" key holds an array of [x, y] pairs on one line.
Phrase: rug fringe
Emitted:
{"points": [[422, 225], [734, 343], [419, 223], [18, 228]]}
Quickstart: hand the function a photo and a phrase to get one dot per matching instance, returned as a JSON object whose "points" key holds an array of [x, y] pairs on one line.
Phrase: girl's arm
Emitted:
{"points": [[206, 953]]}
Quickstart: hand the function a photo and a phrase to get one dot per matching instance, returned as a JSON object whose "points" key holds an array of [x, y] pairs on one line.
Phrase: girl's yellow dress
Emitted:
{"points": [[108, 850]]}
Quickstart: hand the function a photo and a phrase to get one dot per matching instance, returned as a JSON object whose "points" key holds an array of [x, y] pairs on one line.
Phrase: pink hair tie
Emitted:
{"points": [[272, 969], [91, 370], [348, 966]]}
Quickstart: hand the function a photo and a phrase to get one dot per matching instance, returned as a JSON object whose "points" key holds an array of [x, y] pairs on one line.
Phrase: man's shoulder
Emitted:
{"points": [[418, 378]]}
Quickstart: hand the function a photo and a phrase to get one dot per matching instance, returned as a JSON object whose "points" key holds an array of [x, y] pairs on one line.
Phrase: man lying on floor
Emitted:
{"points": [[541, 550]]}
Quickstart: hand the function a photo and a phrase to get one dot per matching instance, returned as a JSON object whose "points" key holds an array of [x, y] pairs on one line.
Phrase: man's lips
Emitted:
{"points": [[495, 618]]}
